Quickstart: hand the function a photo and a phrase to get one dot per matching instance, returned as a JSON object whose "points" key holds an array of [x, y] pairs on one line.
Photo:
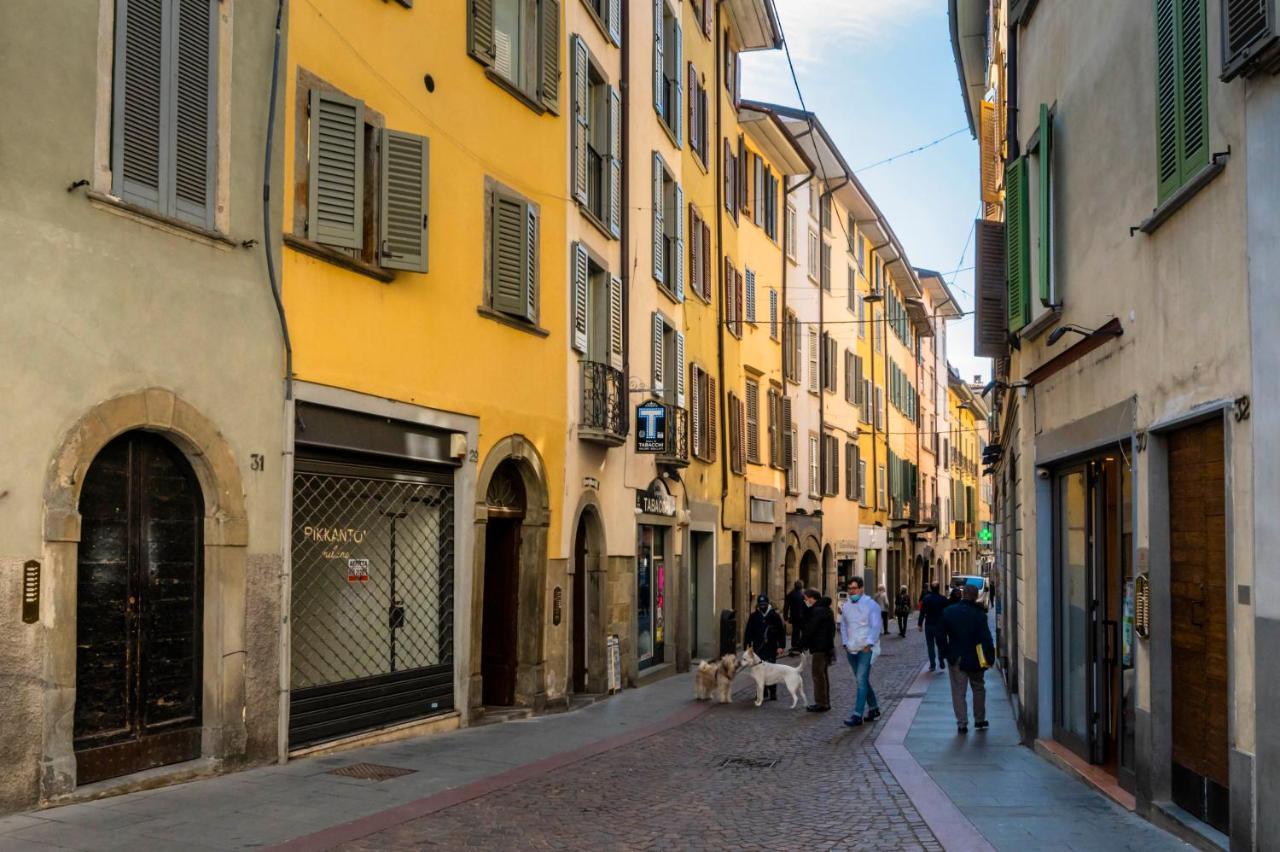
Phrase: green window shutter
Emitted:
{"points": [[659, 240], [480, 30], [581, 116], [615, 323], [659, 79], [509, 255], [580, 284], [140, 86], [1018, 249], [549, 54], [615, 163], [659, 328], [194, 116], [335, 185], [531, 262], [1193, 87], [1168, 108], [402, 207], [1045, 208]]}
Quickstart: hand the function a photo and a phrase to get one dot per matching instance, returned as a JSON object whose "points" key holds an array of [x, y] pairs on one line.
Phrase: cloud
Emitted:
{"points": [[817, 28]]}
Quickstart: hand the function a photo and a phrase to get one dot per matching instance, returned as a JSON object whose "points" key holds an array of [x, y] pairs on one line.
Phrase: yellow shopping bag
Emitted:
{"points": [[982, 658]]}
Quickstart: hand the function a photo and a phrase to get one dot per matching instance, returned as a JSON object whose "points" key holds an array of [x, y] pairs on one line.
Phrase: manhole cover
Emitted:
{"points": [[747, 763], [370, 771]]}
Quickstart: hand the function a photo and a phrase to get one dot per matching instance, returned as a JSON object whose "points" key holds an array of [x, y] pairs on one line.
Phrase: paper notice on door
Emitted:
{"points": [[357, 570]]}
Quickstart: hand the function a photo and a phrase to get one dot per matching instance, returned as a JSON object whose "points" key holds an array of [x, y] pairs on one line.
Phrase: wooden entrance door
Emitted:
{"points": [[501, 611], [1198, 588], [139, 611], [580, 608]]}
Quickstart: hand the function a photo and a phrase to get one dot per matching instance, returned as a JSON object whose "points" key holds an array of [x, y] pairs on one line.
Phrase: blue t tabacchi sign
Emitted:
{"points": [[651, 427]]}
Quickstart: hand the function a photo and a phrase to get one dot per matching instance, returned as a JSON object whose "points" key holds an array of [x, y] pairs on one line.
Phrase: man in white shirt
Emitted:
{"points": [[860, 626]]}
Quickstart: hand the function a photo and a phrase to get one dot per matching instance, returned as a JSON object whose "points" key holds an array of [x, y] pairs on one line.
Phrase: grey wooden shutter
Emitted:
{"points": [[480, 30], [695, 412], [140, 84], [615, 323], [194, 117], [549, 54], [580, 118], [659, 326], [692, 111], [774, 444], [615, 21], [615, 163], [773, 314], [677, 109], [508, 261], [1248, 36], [695, 251], [706, 261], [659, 79], [335, 185], [402, 206], [580, 285], [679, 369], [659, 240], [753, 422], [531, 262], [677, 262], [751, 295]]}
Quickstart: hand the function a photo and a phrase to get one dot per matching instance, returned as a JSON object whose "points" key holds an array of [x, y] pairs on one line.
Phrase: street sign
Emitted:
{"points": [[651, 428]]}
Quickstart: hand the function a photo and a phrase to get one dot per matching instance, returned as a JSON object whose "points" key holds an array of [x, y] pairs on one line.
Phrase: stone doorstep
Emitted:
{"points": [[147, 779], [1178, 822], [426, 726]]}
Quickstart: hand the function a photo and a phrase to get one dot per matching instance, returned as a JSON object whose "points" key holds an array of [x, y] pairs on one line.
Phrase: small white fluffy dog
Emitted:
{"points": [[771, 674], [715, 677]]}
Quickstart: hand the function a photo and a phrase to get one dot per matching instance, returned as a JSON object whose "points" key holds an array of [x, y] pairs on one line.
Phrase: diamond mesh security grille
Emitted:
{"points": [[372, 576]]}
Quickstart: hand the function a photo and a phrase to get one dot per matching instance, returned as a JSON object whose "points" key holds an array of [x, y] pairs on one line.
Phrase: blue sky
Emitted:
{"points": [[881, 77]]}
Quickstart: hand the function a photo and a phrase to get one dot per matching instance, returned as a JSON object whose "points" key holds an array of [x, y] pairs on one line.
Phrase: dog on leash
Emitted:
{"points": [[715, 678], [771, 674]]}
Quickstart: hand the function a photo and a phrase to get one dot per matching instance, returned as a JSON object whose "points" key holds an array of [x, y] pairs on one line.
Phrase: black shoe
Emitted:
{"points": [[944, 667], [824, 708], [872, 714], [814, 708], [853, 722], [982, 726], [932, 667], [962, 729]]}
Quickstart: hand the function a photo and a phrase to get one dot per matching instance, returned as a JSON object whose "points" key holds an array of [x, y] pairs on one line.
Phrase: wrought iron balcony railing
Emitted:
{"points": [[677, 454], [604, 405]]}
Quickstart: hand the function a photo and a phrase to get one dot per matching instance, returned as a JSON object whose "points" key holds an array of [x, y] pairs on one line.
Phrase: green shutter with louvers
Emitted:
{"points": [[510, 256], [1018, 248], [549, 54], [1045, 208], [580, 117], [335, 186], [1168, 111], [480, 42], [1182, 92], [403, 201]]}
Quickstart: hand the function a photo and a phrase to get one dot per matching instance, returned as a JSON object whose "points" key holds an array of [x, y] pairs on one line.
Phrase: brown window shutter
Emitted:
{"points": [[990, 325], [713, 424]]}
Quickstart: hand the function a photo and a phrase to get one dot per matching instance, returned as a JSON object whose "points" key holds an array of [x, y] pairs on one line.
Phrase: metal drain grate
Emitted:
{"points": [[748, 763], [370, 771]]}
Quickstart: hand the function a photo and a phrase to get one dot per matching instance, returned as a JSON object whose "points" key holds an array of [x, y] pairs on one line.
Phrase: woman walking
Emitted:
{"points": [[902, 609], [882, 601]]}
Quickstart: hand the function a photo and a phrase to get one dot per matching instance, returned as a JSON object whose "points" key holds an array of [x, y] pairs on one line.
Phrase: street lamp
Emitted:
{"points": [[1061, 331]]}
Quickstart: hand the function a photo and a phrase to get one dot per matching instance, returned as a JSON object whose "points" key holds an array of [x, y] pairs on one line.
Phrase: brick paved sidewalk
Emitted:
{"points": [[641, 770]]}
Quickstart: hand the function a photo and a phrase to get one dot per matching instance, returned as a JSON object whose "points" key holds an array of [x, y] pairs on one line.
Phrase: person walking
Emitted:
{"points": [[820, 642], [930, 621], [795, 612], [967, 644], [902, 609], [766, 635], [882, 601], [860, 626]]}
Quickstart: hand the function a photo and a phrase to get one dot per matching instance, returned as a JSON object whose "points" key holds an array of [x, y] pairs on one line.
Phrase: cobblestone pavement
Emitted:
{"points": [[827, 787]]}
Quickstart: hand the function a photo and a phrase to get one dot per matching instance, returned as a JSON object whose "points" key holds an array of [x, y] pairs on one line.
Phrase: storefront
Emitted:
{"points": [[873, 540], [372, 600], [654, 556]]}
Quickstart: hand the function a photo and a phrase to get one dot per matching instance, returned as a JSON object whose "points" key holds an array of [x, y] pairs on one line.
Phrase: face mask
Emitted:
{"points": [[857, 596]]}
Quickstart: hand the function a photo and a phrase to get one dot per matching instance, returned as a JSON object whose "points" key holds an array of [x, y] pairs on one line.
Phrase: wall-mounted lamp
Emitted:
{"points": [[873, 297], [996, 383], [1061, 331]]}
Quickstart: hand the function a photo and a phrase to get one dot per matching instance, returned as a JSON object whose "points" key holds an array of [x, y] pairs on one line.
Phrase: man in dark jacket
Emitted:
{"points": [[794, 611], [967, 645], [820, 642], [766, 635], [930, 621]]}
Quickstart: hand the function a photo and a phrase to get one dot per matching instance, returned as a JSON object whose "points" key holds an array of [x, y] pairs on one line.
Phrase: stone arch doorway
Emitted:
{"points": [[791, 564], [586, 640], [195, 463], [828, 568], [508, 657], [139, 610], [810, 570]]}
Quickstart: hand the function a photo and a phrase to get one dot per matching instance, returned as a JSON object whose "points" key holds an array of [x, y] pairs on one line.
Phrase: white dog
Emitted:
{"points": [[715, 677], [771, 674]]}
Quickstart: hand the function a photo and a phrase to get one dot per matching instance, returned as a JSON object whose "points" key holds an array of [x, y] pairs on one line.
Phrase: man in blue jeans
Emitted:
{"points": [[860, 626], [930, 621]]}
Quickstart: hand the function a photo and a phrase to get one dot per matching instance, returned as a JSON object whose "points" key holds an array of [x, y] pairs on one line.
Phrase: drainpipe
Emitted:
{"points": [[624, 232], [720, 318]]}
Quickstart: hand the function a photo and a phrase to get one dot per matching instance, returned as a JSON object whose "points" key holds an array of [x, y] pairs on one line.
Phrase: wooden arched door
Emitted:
{"points": [[139, 610]]}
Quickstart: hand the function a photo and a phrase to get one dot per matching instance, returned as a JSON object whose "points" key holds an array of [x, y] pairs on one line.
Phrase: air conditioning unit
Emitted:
{"points": [[1250, 38]]}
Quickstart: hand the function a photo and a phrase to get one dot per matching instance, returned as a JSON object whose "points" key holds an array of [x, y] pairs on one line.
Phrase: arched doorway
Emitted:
{"points": [[585, 658], [792, 566], [139, 610], [810, 570], [505, 500], [828, 568]]}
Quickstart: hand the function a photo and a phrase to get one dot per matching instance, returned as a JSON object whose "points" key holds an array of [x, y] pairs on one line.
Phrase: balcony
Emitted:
{"points": [[677, 454], [902, 511], [604, 405], [928, 516]]}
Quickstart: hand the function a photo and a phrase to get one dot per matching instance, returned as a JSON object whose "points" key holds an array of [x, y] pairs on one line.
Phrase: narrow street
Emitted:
{"points": [[647, 769]]}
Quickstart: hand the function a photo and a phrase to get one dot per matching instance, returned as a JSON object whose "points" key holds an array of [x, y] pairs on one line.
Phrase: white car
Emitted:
{"points": [[958, 580]]}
